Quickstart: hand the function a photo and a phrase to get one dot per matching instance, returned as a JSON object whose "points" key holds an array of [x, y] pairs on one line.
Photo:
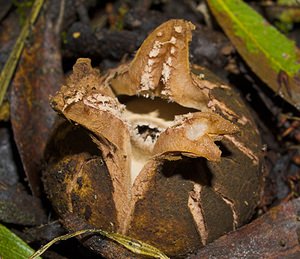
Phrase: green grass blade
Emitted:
{"points": [[133, 245], [11, 246]]}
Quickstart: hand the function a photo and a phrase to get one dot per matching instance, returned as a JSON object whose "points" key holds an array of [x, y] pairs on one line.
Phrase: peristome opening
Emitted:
{"points": [[147, 118]]}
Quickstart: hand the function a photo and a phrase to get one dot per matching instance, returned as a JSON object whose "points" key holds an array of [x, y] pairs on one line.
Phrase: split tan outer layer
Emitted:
{"points": [[191, 190]]}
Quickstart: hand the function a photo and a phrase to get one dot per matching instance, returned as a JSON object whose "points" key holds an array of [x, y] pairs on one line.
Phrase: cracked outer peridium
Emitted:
{"points": [[170, 184]]}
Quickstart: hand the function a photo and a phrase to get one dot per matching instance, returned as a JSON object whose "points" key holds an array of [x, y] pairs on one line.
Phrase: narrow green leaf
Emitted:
{"points": [[11, 246], [272, 56]]}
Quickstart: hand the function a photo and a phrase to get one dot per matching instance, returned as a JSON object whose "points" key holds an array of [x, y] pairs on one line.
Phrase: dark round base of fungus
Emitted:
{"points": [[198, 175]]}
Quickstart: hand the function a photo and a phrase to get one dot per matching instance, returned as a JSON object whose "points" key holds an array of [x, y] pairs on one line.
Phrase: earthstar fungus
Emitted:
{"points": [[155, 128]]}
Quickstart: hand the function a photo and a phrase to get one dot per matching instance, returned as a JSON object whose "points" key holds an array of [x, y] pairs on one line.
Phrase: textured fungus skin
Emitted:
{"points": [[175, 181], [74, 176]]}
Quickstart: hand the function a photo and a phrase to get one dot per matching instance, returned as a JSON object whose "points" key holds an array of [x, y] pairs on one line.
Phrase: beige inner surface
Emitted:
{"points": [[147, 119]]}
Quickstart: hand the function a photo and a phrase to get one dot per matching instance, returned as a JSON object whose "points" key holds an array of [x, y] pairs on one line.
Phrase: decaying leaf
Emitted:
{"points": [[18, 207], [272, 56], [9, 68], [37, 76], [273, 235], [163, 152]]}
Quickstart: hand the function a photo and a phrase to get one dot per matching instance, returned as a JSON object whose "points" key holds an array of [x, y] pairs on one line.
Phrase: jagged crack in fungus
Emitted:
{"points": [[160, 129]]}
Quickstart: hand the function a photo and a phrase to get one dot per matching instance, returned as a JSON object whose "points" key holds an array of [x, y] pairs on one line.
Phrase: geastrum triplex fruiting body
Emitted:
{"points": [[169, 154]]}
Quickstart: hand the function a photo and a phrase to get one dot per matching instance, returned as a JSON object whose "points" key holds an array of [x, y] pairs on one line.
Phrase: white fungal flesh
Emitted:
{"points": [[142, 145], [195, 131], [248, 152], [173, 50], [194, 205], [178, 29], [104, 103], [166, 71], [173, 40], [137, 163], [155, 50], [146, 120], [76, 97], [233, 209], [147, 77], [147, 82]]}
